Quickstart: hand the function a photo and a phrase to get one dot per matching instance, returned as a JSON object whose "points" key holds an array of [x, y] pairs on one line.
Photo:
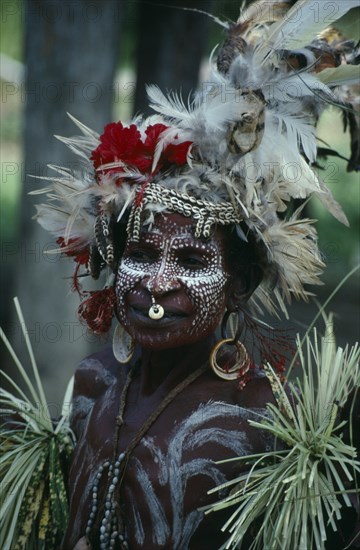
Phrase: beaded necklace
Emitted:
{"points": [[111, 525]]}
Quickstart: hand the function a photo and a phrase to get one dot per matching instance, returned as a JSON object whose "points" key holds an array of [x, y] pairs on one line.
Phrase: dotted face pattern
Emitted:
{"points": [[168, 262]]}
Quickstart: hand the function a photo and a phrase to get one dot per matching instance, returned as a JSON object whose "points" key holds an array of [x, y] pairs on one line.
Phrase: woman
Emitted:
{"points": [[204, 194], [172, 465]]}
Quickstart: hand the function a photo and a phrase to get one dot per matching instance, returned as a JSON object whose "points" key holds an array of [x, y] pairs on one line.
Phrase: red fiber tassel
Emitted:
{"points": [[98, 310]]}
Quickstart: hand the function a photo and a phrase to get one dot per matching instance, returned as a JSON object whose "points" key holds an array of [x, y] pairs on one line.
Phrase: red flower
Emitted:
{"points": [[117, 143], [125, 144]]}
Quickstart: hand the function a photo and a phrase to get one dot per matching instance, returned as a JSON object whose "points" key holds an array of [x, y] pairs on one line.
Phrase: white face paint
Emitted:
{"points": [[185, 275]]}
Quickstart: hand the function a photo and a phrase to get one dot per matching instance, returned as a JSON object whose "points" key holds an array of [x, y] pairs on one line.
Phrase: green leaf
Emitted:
{"points": [[35, 508]]}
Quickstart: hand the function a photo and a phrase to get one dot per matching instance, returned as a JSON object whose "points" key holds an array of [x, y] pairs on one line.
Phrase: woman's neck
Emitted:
{"points": [[169, 367]]}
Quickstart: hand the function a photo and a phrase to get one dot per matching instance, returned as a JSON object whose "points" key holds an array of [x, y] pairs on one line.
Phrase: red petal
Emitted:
{"points": [[177, 154], [116, 143], [153, 133]]}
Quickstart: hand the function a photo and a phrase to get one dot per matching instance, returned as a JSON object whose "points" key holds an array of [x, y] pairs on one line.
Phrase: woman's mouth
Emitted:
{"points": [[171, 315]]}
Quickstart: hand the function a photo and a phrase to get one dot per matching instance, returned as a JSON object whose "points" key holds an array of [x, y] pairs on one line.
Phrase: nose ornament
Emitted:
{"points": [[156, 311]]}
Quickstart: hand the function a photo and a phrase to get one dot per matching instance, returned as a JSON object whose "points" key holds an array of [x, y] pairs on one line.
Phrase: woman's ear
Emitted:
{"points": [[242, 286]]}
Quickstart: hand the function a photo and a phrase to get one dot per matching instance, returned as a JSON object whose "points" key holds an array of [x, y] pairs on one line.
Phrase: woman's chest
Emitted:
{"points": [[175, 463]]}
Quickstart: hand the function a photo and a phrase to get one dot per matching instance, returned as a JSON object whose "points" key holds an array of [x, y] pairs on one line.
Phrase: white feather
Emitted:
{"points": [[302, 23], [81, 146], [85, 129], [284, 89], [120, 170], [277, 171], [55, 219], [209, 111], [70, 222], [298, 131], [308, 18], [166, 137], [42, 191], [327, 199], [127, 203], [172, 107], [223, 24]]}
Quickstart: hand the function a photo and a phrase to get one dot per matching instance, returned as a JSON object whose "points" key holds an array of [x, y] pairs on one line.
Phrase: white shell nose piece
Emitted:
{"points": [[156, 312]]}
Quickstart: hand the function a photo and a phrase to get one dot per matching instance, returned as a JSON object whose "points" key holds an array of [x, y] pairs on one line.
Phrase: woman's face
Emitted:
{"points": [[185, 275]]}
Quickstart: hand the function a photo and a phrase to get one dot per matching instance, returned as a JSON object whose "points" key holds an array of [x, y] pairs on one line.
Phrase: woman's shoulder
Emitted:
{"points": [[257, 392], [93, 377], [258, 389], [95, 373]]}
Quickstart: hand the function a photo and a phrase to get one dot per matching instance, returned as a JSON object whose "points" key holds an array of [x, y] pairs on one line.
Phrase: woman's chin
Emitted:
{"points": [[164, 341]]}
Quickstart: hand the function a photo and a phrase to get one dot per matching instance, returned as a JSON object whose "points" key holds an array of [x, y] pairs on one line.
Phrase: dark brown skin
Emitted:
{"points": [[160, 367], [97, 442]]}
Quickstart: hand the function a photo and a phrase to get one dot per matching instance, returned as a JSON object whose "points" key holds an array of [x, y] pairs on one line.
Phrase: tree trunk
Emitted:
{"points": [[71, 51], [171, 45]]}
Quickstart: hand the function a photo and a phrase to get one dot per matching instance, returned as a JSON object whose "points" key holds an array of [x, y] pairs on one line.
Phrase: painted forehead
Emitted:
{"points": [[180, 231]]}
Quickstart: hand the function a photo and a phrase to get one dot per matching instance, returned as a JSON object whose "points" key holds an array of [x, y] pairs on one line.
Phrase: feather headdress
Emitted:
{"points": [[238, 153]]}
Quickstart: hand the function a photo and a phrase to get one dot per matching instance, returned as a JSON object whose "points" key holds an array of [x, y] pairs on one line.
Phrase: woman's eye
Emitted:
{"points": [[140, 256], [192, 262]]}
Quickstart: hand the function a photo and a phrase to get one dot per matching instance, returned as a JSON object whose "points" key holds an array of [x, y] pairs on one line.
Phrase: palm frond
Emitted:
{"points": [[299, 492], [36, 450]]}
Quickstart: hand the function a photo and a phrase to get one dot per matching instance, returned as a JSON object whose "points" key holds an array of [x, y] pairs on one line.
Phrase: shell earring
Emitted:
{"points": [[123, 345], [156, 311]]}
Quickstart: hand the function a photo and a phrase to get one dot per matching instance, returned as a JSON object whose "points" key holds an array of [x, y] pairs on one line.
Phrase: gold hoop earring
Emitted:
{"points": [[235, 371], [123, 345]]}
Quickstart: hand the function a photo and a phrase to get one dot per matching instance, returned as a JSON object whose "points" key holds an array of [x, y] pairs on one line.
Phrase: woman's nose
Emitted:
{"points": [[163, 281]]}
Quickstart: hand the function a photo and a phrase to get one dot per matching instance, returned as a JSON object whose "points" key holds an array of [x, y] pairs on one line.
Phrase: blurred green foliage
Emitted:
{"points": [[12, 22], [11, 162]]}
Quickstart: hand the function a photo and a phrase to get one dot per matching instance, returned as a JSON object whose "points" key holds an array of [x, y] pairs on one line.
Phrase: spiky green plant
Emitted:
{"points": [[35, 452], [299, 491]]}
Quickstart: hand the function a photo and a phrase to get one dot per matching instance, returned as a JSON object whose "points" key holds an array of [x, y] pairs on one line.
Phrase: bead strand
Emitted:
{"points": [[95, 491], [109, 533]]}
